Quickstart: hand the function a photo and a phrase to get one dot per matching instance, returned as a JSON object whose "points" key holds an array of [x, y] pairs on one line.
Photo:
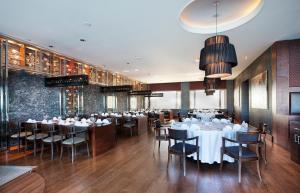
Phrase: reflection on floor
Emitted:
{"points": [[130, 167]]}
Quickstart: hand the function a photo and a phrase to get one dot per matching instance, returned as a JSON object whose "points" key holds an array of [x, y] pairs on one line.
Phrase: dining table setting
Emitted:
{"points": [[210, 135]]}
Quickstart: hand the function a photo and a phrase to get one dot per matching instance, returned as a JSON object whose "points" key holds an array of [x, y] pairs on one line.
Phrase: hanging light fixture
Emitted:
{"points": [[211, 83], [218, 56]]}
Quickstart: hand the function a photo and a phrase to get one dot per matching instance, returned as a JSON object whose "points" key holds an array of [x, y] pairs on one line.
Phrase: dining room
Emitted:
{"points": [[150, 96]]}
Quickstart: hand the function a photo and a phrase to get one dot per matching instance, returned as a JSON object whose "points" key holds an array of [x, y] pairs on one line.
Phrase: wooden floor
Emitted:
{"points": [[130, 168]]}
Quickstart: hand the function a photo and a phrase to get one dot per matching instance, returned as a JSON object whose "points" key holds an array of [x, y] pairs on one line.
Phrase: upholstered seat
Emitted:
{"points": [[178, 148], [76, 141], [55, 138], [129, 125], [234, 152], [21, 134], [38, 136]]}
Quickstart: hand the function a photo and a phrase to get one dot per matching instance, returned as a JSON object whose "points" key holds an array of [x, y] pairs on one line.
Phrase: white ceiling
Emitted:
{"points": [[145, 33]]}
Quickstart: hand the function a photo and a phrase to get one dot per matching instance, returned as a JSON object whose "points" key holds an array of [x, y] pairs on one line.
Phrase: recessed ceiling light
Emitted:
{"points": [[138, 58], [87, 24], [246, 57], [197, 60], [127, 62], [125, 71], [83, 40], [50, 46], [136, 70]]}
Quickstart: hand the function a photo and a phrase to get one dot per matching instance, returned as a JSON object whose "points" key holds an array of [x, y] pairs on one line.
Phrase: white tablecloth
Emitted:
{"points": [[210, 139]]}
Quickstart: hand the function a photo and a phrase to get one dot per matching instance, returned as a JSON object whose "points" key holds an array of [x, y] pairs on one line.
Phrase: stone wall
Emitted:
{"points": [[29, 98]]}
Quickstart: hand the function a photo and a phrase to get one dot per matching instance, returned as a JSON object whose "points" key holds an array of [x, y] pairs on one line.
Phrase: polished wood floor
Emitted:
{"points": [[130, 167]]}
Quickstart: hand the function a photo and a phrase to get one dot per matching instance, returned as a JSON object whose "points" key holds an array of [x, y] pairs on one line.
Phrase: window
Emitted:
{"points": [[133, 103], [199, 100], [170, 100], [111, 102]]}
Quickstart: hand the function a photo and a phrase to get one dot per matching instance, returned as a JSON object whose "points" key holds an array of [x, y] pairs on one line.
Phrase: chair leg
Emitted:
{"points": [[42, 150], [198, 164], [52, 151], [154, 144], [240, 170], [88, 148], [265, 153], [159, 144], [258, 170], [168, 159], [61, 150], [221, 159], [184, 165], [19, 144], [72, 153], [34, 148], [25, 149]]}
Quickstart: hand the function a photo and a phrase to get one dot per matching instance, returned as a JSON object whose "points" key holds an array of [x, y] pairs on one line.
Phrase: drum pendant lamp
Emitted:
{"points": [[218, 56]]}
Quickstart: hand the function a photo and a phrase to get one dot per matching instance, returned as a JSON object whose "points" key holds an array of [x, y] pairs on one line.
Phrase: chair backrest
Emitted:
{"points": [[46, 128], [65, 130], [12, 125], [248, 137], [30, 126], [157, 124], [177, 134]]}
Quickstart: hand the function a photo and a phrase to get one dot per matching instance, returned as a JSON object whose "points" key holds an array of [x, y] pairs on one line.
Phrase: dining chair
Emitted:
{"points": [[181, 147], [262, 129], [16, 132], [53, 138], [160, 134], [35, 137], [240, 152], [129, 123], [74, 138]]}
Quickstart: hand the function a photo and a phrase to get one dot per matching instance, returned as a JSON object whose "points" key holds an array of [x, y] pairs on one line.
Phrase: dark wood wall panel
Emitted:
{"points": [[165, 86], [294, 65]]}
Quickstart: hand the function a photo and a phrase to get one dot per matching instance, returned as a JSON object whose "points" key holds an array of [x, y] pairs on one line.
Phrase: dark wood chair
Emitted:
{"points": [[53, 138], [74, 138], [180, 147], [262, 129], [36, 136], [240, 152], [160, 134], [16, 133], [129, 123]]}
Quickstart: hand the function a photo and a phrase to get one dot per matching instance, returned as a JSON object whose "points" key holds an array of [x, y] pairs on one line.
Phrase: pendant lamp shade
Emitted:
{"points": [[211, 83], [217, 57], [209, 92]]}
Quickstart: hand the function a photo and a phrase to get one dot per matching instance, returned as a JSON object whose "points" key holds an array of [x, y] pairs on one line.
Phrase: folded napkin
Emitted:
{"points": [[61, 122], [55, 118], [244, 124], [187, 120], [68, 119], [194, 120], [31, 121], [172, 121], [83, 120], [44, 121], [215, 120], [59, 118], [98, 121], [133, 115], [105, 121]]}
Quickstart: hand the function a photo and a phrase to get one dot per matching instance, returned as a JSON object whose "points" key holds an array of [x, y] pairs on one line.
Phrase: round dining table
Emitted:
{"points": [[210, 139]]}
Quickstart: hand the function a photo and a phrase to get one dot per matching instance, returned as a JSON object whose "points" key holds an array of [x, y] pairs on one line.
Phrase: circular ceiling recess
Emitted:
{"points": [[199, 16]]}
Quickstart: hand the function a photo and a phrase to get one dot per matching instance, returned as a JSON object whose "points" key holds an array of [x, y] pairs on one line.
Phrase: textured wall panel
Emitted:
{"points": [[29, 98], [294, 65]]}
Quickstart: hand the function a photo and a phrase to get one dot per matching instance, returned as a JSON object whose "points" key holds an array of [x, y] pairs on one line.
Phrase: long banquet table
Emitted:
{"points": [[210, 139]]}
